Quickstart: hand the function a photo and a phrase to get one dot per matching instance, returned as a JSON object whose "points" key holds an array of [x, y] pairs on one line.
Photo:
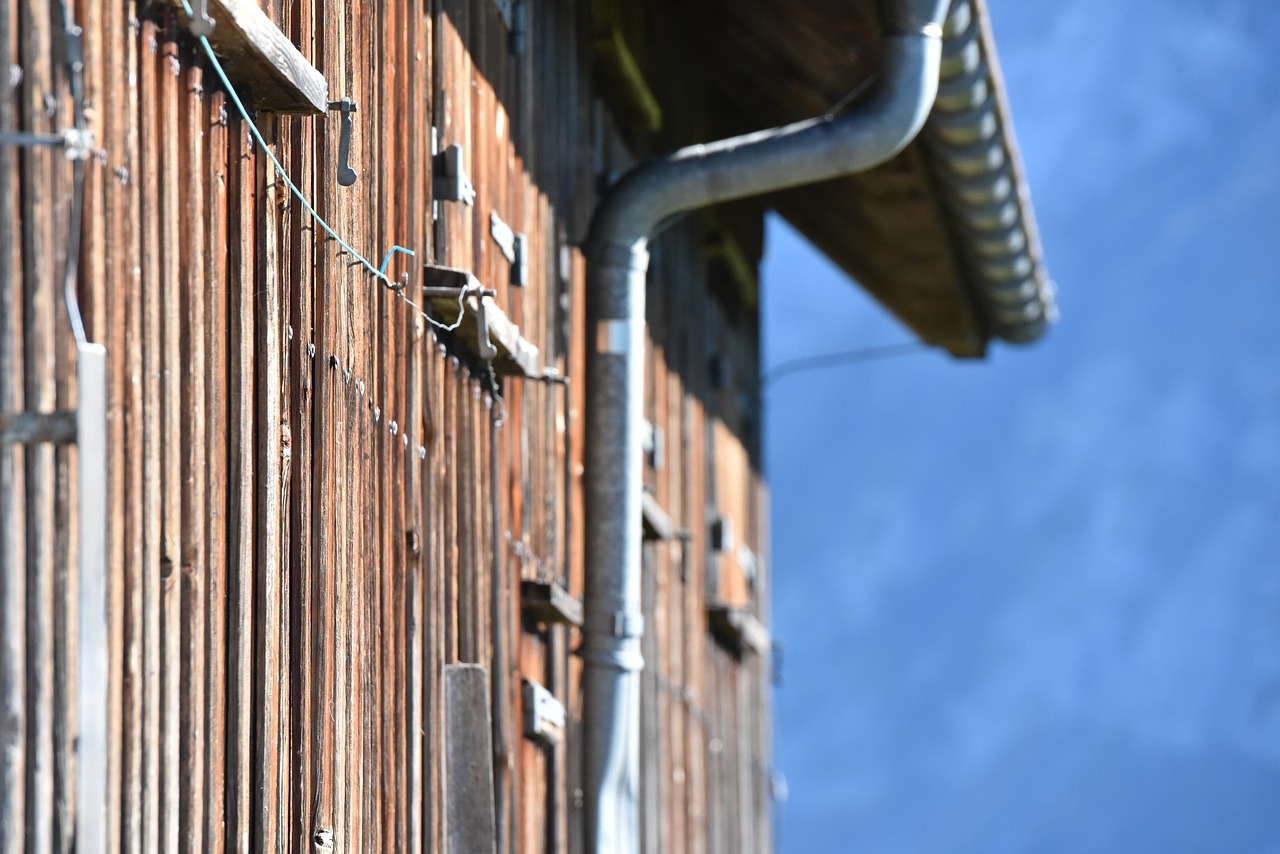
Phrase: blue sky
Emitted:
{"points": [[1032, 603]]}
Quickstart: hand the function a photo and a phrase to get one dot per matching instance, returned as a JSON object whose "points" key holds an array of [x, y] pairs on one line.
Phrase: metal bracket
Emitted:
{"points": [[503, 236], [514, 247], [76, 143], [750, 565], [544, 715], [450, 182], [652, 441], [201, 24], [628, 624], [721, 534], [520, 266], [488, 352], [36, 428], [346, 175]]}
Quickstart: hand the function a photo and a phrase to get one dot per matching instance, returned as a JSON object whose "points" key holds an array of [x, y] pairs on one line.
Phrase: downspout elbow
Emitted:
{"points": [[617, 262], [805, 152]]}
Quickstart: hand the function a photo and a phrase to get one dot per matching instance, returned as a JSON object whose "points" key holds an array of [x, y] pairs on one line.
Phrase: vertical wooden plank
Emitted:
{"points": [[468, 575], [449, 512], [13, 575], [170, 293], [304, 249], [196, 463], [37, 225], [440, 587], [152, 367], [324, 698], [410, 108], [282, 248], [105, 49], [131, 286], [220, 161], [266, 333], [242, 193]]}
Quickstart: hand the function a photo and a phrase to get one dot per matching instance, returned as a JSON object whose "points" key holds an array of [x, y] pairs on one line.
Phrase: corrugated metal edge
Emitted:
{"points": [[971, 142]]}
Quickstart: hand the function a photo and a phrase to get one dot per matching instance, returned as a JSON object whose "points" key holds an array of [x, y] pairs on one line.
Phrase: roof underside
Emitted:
{"points": [[944, 234]]}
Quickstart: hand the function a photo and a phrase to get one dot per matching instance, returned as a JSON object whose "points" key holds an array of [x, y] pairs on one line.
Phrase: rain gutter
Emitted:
{"points": [[631, 214], [971, 143]]}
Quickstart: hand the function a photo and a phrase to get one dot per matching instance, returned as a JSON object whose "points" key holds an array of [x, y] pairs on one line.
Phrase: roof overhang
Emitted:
{"points": [[943, 235]]}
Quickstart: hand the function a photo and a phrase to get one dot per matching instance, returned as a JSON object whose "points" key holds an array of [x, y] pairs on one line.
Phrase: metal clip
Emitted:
{"points": [[201, 24], [628, 624], [487, 351], [451, 182], [503, 236], [77, 143], [520, 266], [346, 175], [513, 247], [544, 715]]}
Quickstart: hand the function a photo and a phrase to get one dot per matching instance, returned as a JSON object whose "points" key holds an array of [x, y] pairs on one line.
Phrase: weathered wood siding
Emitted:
{"points": [[317, 498]]}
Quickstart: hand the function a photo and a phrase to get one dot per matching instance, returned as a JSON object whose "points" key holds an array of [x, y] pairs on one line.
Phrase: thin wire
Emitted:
{"points": [[69, 274], [347, 247], [835, 360], [75, 72]]}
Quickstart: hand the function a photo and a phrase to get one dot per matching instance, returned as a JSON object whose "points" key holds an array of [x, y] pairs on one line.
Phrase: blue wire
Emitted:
{"points": [[253, 128], [390, 252]]}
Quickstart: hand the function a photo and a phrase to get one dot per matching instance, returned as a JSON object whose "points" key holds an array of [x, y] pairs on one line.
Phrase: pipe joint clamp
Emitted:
{"points": [[628, 624]]}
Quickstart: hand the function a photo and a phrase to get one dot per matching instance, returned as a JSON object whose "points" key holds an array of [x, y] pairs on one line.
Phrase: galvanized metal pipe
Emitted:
{"points": [[91, 668], [618, 260]]}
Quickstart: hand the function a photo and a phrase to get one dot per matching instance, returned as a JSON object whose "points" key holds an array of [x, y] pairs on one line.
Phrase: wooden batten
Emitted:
{"points": [[261, 59], [656, 522], [738, 629], [548, 602]]}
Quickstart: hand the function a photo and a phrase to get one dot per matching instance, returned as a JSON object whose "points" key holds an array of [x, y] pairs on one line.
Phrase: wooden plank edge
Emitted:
{"points": [[738, 629], [257, 55], [548, 602]]}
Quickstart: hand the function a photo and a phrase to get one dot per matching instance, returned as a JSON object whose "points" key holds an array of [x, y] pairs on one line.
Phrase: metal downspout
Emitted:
{"points": [[617, 262]]}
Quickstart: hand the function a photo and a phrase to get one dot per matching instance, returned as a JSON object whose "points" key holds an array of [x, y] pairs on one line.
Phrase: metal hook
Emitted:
{"points": [[201, 24], [346, 175]]}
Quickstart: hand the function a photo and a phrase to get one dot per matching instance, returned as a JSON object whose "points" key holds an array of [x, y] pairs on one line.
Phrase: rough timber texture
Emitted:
{"points": [[318, 501]]}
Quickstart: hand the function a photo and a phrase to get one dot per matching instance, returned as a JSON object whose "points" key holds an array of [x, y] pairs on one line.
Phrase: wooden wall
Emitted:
{"points": [[316, 496]]}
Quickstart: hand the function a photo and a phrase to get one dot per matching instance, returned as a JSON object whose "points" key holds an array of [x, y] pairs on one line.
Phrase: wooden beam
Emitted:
{"points": [[548, 602], [738, 629], [261, 59], [657, 524]]}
